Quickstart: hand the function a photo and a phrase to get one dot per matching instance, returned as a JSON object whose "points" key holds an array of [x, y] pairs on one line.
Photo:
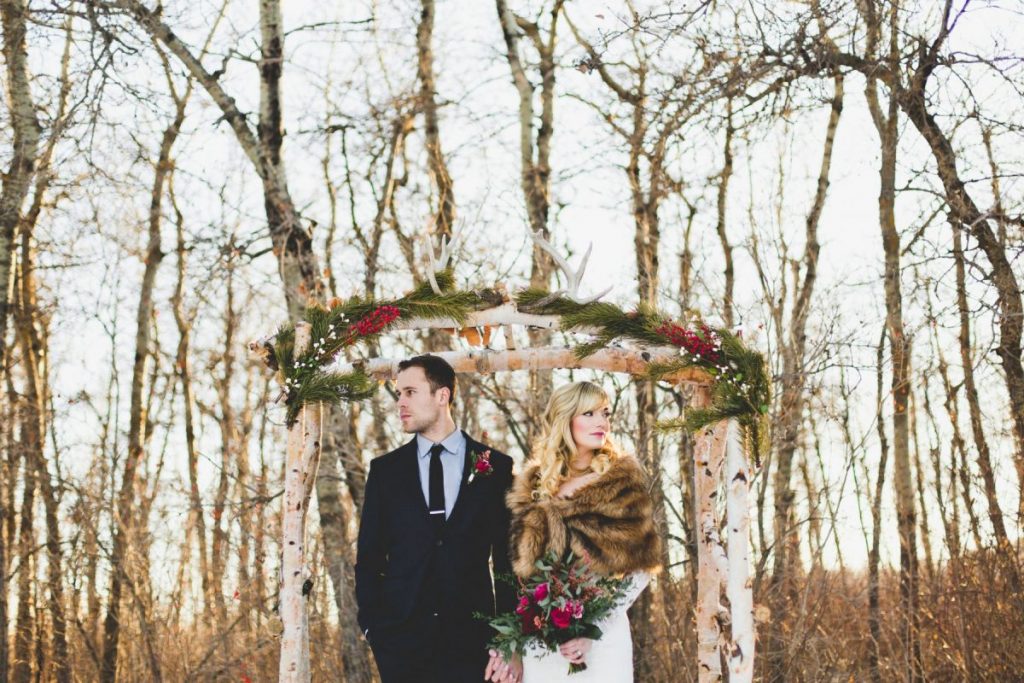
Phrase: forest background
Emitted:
{"points": [[839, 180]]}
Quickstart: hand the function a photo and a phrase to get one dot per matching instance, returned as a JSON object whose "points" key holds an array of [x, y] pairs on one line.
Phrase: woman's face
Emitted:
{"points": [[590, 429]]}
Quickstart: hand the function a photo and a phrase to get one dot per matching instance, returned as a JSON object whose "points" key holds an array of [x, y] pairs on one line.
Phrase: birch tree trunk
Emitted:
{"points": [[17, 179], [709, 454], [301, 464], [24, 622], [741, 597], [36, 392]]}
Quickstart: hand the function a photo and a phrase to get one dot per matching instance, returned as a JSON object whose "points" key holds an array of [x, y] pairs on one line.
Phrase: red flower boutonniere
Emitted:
{"points": [[481, 465]]}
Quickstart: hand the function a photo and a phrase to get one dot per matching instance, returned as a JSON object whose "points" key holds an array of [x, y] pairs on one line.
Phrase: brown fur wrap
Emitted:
{"points": [[609, 519]]}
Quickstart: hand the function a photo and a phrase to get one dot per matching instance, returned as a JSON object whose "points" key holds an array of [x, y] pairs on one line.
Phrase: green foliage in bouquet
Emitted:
{"points": [[562, 601]]}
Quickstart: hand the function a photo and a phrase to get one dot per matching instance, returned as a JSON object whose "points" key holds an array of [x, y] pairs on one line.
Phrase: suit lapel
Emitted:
{"points": [[409, 468], [469, 492]]}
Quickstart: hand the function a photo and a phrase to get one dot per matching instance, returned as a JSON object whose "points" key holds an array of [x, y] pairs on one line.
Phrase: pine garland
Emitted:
{"points": [[357, 321], [741, 390]]}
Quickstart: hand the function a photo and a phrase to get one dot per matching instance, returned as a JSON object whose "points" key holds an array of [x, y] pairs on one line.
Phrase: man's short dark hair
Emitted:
{"points": [[439, 373]]}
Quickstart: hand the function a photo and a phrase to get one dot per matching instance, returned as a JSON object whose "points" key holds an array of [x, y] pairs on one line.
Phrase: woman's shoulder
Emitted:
{"points": [[623, 473], [626, 465], [521, 493]]}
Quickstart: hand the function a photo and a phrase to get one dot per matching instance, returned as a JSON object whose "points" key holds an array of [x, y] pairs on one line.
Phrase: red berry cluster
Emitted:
{"points": [[375, 321], [696, 344]]}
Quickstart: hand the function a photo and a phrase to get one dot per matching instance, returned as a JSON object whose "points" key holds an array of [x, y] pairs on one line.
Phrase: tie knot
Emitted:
{"points": [[436, 449]]}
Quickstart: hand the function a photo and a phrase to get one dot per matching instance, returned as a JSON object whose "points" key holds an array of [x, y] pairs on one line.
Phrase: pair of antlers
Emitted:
{"points": [[573, 276]]}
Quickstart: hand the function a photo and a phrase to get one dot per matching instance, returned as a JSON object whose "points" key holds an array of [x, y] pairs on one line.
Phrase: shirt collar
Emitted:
{"points": [[452, 443]]}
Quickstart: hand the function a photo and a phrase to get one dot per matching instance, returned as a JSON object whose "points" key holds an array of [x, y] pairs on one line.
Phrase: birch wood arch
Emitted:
{"points": [[729, 396]]}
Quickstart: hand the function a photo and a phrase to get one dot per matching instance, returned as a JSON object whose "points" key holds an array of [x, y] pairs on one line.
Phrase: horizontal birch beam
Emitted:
{"points": [[505, 314], [487, 361]]}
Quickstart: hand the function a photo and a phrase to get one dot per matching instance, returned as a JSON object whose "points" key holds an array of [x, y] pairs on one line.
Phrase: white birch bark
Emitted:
{"points": [[741, 596], [486, 361], [301, 463], [708, 456]]}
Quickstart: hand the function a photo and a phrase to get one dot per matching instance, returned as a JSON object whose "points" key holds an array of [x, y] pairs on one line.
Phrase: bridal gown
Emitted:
{"points": [[610, 659]]}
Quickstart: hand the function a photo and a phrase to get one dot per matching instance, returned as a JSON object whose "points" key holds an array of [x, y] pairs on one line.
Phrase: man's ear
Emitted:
{"points": [[445, 393]]}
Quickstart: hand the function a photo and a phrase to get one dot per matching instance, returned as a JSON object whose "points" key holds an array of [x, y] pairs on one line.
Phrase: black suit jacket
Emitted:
{"points": [[398, 546]]}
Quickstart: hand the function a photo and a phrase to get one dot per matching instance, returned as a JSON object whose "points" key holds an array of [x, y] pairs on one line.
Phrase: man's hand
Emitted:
{"points": [[500, 671], [576, 650]]}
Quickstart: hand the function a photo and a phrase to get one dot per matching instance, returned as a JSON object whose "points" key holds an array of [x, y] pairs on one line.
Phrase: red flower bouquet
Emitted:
{"points": [[563, 601]]}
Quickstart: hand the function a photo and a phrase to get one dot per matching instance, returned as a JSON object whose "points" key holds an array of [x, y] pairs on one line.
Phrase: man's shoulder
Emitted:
{"points": [[390, 458]]}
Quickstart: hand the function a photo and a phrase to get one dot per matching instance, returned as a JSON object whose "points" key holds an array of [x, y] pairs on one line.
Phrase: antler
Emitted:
{"points": [[448, 249], [573, 277]]}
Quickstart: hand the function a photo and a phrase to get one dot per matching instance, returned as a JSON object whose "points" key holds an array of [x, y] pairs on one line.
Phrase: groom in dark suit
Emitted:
{"points": [[434, 515]]}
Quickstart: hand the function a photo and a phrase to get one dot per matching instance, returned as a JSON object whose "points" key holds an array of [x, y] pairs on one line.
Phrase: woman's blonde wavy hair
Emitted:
{"points": [[555, 449]]}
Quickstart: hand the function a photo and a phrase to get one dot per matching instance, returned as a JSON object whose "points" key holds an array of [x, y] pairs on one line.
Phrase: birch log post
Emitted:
{"points": [[741, 595], [709, 453], [302, 460]]}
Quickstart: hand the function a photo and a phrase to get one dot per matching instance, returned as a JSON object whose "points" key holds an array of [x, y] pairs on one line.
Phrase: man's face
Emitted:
{"points": [[419, 409]]}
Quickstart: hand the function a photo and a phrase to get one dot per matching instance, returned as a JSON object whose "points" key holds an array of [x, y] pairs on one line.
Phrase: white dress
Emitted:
{"points": [[610, 659]]}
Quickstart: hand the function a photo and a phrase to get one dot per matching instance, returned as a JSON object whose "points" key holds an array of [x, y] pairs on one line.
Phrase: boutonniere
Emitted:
{"points": [[481, 465]]}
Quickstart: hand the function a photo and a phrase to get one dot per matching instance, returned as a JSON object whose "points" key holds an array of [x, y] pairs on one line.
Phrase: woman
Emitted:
{"points": [[583, 494]]}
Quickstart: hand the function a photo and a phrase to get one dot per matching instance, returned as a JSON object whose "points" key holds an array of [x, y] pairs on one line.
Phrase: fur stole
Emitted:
{"points": [[610, 520]]}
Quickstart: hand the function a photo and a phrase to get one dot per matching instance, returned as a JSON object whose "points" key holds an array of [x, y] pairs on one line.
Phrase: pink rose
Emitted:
{"points": [[540, 592], [482, 465], [561, 617], [524, 604]]}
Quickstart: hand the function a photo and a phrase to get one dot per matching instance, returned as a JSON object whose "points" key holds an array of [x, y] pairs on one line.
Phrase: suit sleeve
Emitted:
{"points": [[371, 552], [504, 591]]}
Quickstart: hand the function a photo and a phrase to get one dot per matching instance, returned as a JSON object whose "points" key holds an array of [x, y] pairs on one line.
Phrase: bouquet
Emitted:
{"points": [[565, 600]]}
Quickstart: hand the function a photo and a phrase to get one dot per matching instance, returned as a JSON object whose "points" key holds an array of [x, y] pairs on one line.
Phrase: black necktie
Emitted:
{"points": [[436, 486]]}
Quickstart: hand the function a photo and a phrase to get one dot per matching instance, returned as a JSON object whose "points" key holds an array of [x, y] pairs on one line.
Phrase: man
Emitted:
{"points": [[433, 516]]}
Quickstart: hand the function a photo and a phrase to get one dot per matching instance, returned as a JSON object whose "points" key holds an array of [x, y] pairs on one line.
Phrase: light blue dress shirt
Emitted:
{"points": [[453, 461]]}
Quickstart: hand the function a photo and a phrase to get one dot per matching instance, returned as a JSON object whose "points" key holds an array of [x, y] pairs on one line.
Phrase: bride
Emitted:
{"points": [[583, 494]]}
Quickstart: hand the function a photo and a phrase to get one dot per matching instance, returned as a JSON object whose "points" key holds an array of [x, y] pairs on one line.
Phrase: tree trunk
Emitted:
{"points": [[964, 212], [720, 225], [18, 178], [886, 123], [33, 437], [302, 462], [123, 517], [226, 420], [182, 366], [709, 453], [1004, 547], [336, 513], [444, 216], [874, 605], [535, 168], [792, 345], [24, 621]]}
